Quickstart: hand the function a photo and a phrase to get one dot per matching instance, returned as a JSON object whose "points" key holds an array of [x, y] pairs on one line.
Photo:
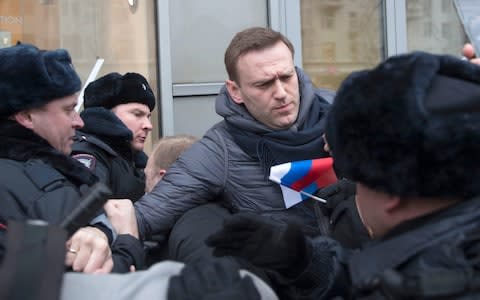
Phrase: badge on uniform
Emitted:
{"points": [[87, 160]]}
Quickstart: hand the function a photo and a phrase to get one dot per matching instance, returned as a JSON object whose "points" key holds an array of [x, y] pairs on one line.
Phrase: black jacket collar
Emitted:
{"points": [[397, 249], [22, 144]]}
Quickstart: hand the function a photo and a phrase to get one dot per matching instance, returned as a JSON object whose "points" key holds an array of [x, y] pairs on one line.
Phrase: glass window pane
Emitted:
{"points": [[201, 31], [122, 35], [433, 26], [339, 37], [194, 115]]}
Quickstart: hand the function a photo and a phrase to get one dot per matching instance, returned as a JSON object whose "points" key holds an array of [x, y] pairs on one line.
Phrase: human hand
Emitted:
{"points": [[88, 251], [121, 214], [265, 244], [326, 146], [337, 192], [469, 52], [212, 280]]}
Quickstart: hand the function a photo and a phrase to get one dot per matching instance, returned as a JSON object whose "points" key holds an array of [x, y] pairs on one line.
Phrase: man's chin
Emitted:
{"points": [[285, 124]]}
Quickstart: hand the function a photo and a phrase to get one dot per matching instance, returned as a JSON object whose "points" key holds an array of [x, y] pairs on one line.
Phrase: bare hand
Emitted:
{"points": [[88, 251], [122, 216], [469, 53], [326, 147]]}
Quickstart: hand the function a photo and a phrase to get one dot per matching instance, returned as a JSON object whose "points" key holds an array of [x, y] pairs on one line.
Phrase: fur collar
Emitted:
{"points": [[22, 144]]}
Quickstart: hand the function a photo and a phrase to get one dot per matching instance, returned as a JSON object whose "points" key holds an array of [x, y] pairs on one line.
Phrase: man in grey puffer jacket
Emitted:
{"points": [[272, 114]]}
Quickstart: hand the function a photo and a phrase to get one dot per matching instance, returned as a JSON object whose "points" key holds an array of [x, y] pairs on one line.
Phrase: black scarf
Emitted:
{"points": [[22, 144], [277, 147]]}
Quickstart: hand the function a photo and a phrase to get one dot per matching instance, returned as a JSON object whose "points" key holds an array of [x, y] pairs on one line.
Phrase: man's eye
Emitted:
{"points": [[263, 84]]}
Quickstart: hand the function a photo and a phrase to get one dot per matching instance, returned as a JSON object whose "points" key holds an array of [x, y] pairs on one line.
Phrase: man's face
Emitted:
{"points": [[136, 117], [268, 86], [56, 122]]}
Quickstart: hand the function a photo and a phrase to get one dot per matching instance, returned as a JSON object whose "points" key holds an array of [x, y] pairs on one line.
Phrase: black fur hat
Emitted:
{"points": [[114, 89], [30, 77], [410, 127]]}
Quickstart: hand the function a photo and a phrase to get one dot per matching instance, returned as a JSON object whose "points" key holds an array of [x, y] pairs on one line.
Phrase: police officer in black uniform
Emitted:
{"points": [[117, 122], [38, 178], [408, 132]]}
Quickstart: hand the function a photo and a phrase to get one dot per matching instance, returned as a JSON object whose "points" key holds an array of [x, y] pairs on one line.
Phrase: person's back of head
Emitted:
{"points": [[251, 39], [164, 154], [38, 90], [410, 128]]}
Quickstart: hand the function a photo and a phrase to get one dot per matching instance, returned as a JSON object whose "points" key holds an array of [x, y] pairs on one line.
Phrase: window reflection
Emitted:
{"points": [[88, 29], [202, 30], [433, 26], [340, 36]]}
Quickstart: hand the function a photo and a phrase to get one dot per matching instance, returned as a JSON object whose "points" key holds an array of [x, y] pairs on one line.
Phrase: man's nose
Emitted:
{"points": [[147, 124], [280, 92], [77, 121]]}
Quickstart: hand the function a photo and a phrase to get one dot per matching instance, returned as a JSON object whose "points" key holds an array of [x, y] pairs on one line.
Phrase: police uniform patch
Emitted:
{"points": [[87, 160]]}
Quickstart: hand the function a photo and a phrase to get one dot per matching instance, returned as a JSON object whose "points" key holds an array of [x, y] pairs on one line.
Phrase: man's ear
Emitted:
{"points": [[161, 173], [234, 91], [24, 118]]}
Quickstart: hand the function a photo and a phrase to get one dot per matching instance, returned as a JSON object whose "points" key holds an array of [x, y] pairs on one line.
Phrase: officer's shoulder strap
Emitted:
{"points": [[44, 176]]}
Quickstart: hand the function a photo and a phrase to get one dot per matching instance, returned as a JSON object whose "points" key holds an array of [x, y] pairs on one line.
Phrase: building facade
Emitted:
{"points": [[178, 45]]}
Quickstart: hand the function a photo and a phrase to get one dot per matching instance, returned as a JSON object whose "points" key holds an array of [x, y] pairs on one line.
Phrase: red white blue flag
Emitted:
{"points": [[300, 179]]}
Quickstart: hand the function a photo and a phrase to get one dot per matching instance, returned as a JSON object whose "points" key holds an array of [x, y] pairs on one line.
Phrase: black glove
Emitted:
{"points": [[336, 193], [211, 280], [341, 210], [263, 243]]}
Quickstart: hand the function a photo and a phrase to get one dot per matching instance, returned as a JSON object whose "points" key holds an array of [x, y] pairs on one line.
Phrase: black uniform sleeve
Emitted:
{"points": [[127, 251], [326, 275]]}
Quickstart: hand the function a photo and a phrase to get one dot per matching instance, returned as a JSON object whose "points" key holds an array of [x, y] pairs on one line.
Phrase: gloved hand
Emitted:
{"points": [[336, 193], [341, 210], [263, 243], [211, 280]]}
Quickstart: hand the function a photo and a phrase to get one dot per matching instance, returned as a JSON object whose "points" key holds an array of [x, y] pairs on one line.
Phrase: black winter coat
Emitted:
{"points": [[431, 257], [39, 182]]}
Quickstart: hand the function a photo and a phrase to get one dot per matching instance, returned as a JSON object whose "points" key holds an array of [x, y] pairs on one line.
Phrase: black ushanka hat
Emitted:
{"points": [[30, 77], [114, 89], [410, 126]]}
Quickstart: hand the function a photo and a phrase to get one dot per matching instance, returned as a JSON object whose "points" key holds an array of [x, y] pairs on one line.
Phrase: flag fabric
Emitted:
{"points": [[300, 179]]}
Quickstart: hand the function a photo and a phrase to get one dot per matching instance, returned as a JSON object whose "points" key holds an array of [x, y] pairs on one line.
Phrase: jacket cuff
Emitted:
{"points": [[103, 228], [320, 271], [127, 251]]}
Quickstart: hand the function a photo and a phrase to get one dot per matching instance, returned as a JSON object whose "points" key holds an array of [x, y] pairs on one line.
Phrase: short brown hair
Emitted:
{"points": [[255, 38], [169, 148]]}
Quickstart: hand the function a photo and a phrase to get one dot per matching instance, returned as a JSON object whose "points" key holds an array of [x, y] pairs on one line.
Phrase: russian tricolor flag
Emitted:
{"points": [[300, 179]]}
